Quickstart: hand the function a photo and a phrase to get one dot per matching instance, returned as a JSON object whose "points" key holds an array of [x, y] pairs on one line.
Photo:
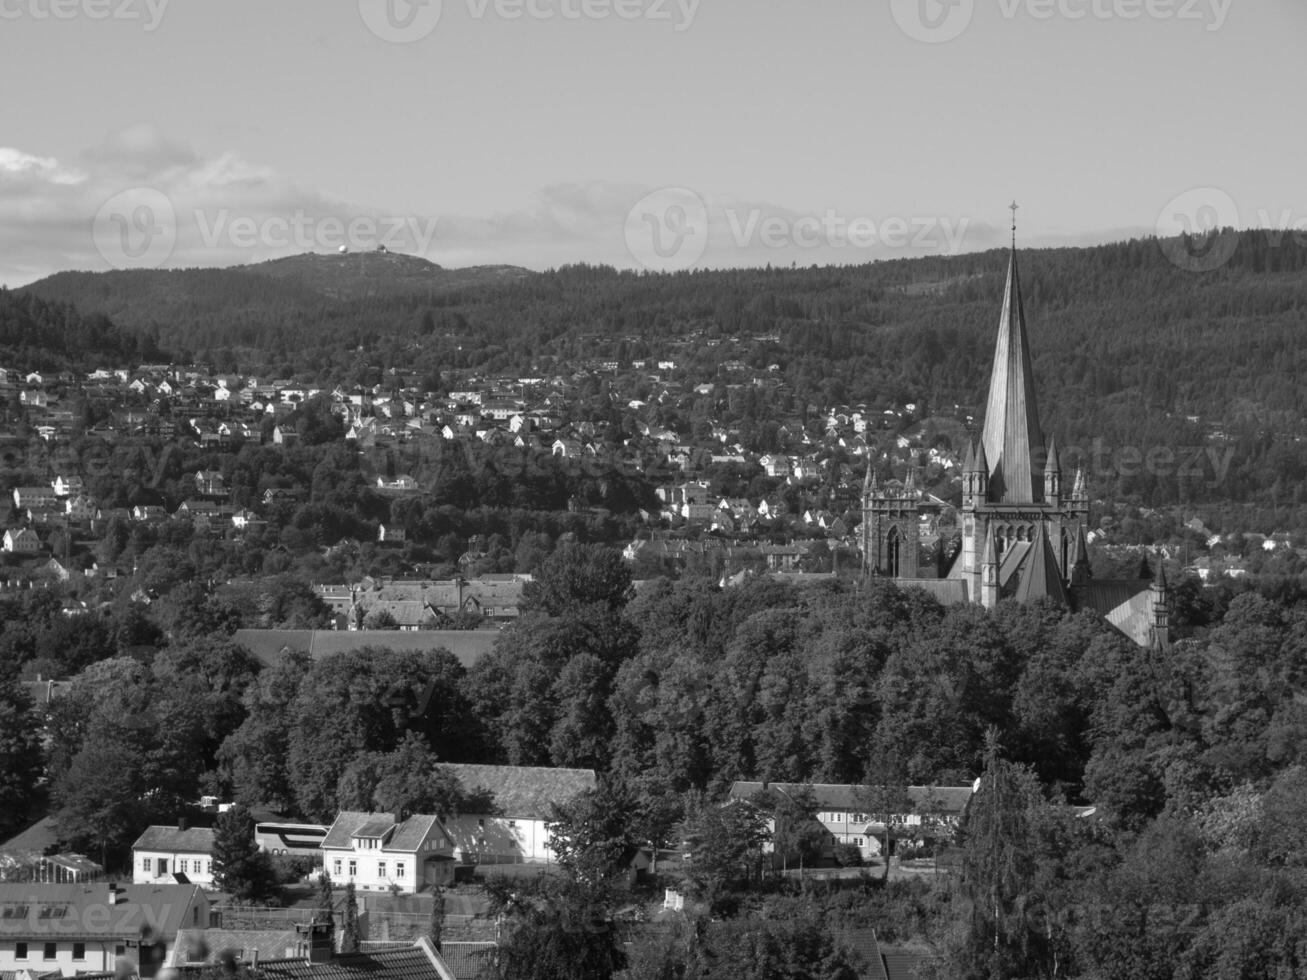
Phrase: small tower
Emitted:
{"points": [[1053, 475], [1081, 571], [989, 571], [975, 477], [891, 529], [1160, 594]]}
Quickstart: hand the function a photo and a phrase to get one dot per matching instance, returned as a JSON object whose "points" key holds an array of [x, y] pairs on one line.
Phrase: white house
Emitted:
{"points": [[928, 811], [377, 852], [21, 541], [163, 852], [517, 829], [67, 929]]}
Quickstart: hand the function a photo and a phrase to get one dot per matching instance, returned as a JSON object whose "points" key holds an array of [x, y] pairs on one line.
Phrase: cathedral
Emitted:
{"points": [[1023, 527]]}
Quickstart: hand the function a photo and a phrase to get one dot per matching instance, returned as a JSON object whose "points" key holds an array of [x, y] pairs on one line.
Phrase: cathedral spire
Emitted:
{"points": [[1012, 438]]}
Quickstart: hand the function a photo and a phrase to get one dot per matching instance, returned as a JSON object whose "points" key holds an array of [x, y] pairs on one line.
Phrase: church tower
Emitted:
{"points": [[1024, 532], [891, 527]]}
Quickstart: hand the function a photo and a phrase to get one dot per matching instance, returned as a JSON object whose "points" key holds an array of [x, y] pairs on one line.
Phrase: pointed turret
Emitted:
{"points": [[989, 571], [1053, 474], [1081, 571], [969, 464], [1012, 438], [1160, 633], [869, 483]]}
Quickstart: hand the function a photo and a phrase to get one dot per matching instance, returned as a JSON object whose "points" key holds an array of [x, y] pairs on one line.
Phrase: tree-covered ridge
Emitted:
{"points": [[42, 335]]}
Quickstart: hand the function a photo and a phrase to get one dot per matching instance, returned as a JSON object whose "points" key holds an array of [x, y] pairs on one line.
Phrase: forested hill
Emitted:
{"points": [[191, 304], [45, 336], [1122, 337]]}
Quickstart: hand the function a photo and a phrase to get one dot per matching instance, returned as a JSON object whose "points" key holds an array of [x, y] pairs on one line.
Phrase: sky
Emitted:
{"points": [[655, 134]]}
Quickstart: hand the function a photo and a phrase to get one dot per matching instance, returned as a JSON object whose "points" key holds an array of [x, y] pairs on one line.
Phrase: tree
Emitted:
{"points": [[327, 899], [349, 937], [20, 755], [239, 867], [884, 791], [578, 575], [1000, 868], [726, 844], [436, 930], [99, 799], [591, 833], [556, 930]]}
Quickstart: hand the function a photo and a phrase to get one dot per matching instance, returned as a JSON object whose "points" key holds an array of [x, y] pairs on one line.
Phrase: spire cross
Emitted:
{"points": [[1014, 206]]}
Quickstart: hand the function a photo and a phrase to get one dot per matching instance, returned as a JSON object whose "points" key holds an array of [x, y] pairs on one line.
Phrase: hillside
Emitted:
{"points": [[215, 299]]}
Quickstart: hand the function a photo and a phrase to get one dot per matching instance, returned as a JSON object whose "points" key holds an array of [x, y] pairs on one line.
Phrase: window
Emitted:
{"points": [[145, 864], [183, 865], [335, 867], [50, 949], [381, 869], [512, 823], [481, 822], [79, 951], [20, 951], [353, 868], [399, 869]]}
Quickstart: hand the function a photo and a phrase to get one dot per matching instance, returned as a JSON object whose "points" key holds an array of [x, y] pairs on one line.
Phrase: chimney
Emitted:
{"points": [[113, 893], [254, 958], [181, 823]]}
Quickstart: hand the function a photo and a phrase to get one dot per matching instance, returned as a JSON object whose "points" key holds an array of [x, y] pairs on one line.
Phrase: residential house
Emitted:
{"points": [[284, 435], [210, 483], [925, 813], [391, 535], [42, 497], [517, 828], [21, 541], [164, 853], [67, 486], [67, 929], [378, 852]]}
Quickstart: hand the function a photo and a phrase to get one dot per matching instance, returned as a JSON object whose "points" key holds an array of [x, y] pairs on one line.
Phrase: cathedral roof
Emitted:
{"points": [[1039, 576], [1012, 439]]}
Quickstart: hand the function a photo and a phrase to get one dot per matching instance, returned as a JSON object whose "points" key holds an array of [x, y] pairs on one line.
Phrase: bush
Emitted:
{"points": [[294, 868], [848, 856]]}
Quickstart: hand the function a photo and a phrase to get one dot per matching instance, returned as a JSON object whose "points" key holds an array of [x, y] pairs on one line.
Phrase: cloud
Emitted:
{"points": [[140, 199]]}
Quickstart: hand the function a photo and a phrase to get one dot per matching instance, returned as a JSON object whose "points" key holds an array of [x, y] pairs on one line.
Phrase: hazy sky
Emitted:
{"points": [[668, 133]]}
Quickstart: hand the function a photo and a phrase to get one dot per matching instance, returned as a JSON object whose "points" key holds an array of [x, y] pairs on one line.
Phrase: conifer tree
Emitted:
{"points": [[239, 867], [349, 938]]}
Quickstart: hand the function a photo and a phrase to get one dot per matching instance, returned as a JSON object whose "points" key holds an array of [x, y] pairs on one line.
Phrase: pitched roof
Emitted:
{"points": [[414, 963], [406, 838], [1040, 576], [1012, 439], [523, 791], [197, 840], [470, 961], [73, 911]]}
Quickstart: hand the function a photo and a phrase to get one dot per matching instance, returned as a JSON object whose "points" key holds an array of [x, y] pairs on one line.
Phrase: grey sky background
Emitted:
{"points": [[806, 131]]}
